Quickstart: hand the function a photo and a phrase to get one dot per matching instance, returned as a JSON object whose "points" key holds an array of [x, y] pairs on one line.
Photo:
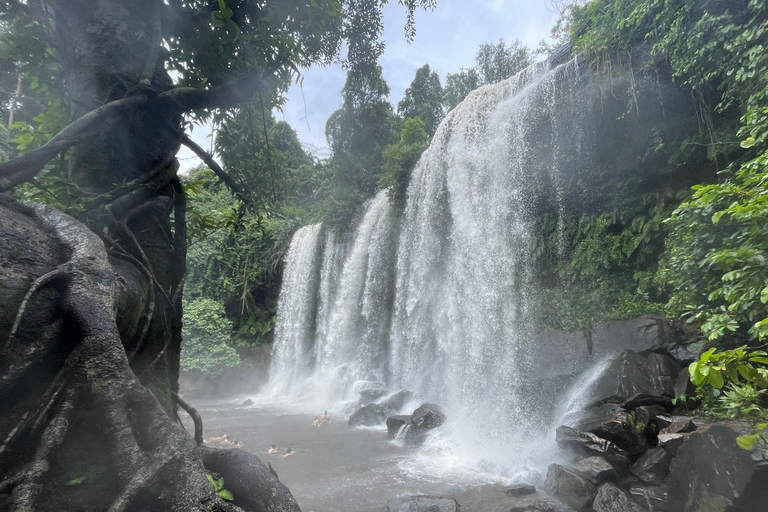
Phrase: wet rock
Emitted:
{"points": [[586, 443], [653, 467], [630, 374], [650, 497], [395, 423], [370, 395], [644, 399], [683, 384], [611, 422], [595, 469], [428, 416], [520, 489], [533, 505], [247, 403], [369, 416], [679, 425], [398, 400], [423, 504], [612, 499], [711, 472], [686, 353], [570, 488], [671, 442]]}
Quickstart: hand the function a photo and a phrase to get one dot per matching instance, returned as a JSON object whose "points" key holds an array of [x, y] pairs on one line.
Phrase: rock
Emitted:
{"points": [[630, 374], [650, 497], [679, 425], [569, 487], [595, 469], [395, 423], [611, 422], [686, 353], [683, 384], [370, 395], [612, 499], [428, 416], [671, 442], [398, 400], [247, 403], [711, 472], [653, 467], [520, 489], [585, 443], [423, 504], [644, 399], [369, 416], [533, 505]]}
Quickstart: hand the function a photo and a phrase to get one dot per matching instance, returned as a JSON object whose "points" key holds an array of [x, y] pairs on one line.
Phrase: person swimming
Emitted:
{"points": [[288, 453], [273, 449], [316, 422], [326, 418]]}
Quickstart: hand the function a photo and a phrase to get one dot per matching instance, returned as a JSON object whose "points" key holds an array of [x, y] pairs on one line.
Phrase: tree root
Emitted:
{"points": [[196, 418]]}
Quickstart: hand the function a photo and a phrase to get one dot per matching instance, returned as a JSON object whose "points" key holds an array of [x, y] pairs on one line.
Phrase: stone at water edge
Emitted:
{"points": [[428, 416], [247, 403], [369, 416], [533, 505], [370, 395], [595, 469], [423, 504], [611, 422], [612, 499], [653, 467], [569, 487], [520, 489], [395, 423], [399, 399], [585, 443]]}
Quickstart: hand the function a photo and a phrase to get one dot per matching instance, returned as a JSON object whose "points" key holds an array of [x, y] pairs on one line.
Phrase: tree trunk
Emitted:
{"points": [[90, 325]]}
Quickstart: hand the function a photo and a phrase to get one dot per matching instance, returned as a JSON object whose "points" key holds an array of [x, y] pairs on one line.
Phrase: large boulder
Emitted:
{"points": [[569, 487], [611, 422], [653, 467], [631, 374], [395, 423], [588, 444], [423, 504], [612, 499], [595, 469], [710, 472], [369, 416], [650, 497], [428, 416]]}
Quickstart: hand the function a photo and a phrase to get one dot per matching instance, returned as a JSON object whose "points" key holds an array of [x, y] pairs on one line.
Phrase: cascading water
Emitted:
{"points": [[443, 303]]}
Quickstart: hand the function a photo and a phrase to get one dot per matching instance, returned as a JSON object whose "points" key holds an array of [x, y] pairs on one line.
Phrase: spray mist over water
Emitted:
{"points": [[442, 299]]}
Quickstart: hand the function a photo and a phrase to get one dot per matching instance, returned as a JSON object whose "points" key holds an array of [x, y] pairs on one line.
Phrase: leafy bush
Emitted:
{"points": [[400, 159], [206, 332]]}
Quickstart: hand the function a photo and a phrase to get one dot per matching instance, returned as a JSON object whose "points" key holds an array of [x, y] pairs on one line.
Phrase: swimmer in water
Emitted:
{"points": [[273, 449], [288, 453], [325, 419], [316, 422]]}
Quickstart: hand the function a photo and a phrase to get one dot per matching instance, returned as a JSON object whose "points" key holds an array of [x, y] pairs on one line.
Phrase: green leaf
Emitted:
{"points": [[715, 378], [759, 359], [226, 494], [210, 479], [76, 481], [747, 143], [747, 442]]}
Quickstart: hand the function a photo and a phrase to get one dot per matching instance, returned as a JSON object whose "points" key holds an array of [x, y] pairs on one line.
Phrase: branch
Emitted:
{"points": [[216, 168], [24, 168], [195, 417], [231, 94]]}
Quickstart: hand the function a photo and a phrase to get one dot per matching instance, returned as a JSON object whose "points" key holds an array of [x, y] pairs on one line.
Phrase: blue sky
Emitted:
{"points": [[446, 39]]}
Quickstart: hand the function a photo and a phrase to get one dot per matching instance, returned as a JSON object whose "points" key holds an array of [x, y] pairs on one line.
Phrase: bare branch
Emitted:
{"points": [[216, 168]]}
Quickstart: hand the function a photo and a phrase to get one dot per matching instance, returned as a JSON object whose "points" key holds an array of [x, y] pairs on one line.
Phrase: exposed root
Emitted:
{"points": [[196, 418]]}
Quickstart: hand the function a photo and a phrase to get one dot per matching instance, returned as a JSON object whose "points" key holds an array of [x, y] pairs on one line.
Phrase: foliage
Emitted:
{"points": [[400, 159], [458, 85], [497, 62], [218, 484], [424, 99], [206, 333], [732, 384]]}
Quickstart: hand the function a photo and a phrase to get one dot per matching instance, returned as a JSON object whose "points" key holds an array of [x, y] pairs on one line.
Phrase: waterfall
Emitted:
{"points": [[441, 299]]}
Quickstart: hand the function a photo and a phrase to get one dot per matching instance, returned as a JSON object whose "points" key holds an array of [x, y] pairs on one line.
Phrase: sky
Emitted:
{"points": [[447, 39]]}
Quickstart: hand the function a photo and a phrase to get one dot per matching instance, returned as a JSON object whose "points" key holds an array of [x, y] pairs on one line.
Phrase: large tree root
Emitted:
{"points": [[90, 436]]}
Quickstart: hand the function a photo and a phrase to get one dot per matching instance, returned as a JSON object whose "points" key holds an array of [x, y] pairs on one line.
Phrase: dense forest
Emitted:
{"points": [[676, 230]]}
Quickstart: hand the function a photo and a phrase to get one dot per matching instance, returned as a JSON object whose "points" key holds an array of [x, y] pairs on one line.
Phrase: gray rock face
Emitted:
{"points": [[594, 469], [711, 473], [630, 374], [650, 497], [653, 467], [569, 487], [398, 400], [533, 505], [520, 489], [395, 423], [585, 443], [428, 416], [369, 416], [612, 499], [611, 422], [423, 504], [671, 442]]}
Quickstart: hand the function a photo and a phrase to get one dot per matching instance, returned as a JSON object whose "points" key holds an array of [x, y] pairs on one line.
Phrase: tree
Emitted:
{"points": [[92, 309], [400, 159], [207, 333], [458, 85], [497, 62], [424, 99]]}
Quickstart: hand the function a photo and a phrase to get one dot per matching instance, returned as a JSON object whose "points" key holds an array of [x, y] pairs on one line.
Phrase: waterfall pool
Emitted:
{"points": [[345, 469]]}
